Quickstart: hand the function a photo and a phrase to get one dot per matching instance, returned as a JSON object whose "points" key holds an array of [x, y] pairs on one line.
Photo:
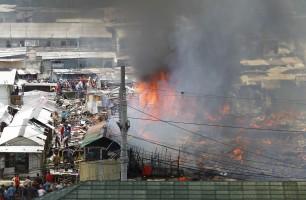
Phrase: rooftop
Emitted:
{"points": [[54, 30], [21, 126], [48, 55]]}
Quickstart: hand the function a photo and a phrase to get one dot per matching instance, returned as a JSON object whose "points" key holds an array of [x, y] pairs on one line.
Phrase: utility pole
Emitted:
{"points": [[124, 125], [178, 163]]}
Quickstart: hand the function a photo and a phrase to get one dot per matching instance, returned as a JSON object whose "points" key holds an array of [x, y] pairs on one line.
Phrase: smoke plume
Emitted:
{"points": [[202, 40]]}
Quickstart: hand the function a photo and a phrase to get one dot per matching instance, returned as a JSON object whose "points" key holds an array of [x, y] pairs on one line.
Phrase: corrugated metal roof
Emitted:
{"points": [[21, 126], [44, 116], [7, 77], [75, 54], [10, 52], [35, 97], [25, 130]]}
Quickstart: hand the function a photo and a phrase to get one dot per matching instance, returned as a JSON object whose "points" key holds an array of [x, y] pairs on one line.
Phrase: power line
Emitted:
{"points": [[227, 163], [214, 96], [221, 125], [233, 165], [212, 139]]}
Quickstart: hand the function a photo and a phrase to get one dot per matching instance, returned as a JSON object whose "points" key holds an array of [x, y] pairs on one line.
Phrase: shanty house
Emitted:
{"points": [[101, 155], [24, 142], [7, 82]]}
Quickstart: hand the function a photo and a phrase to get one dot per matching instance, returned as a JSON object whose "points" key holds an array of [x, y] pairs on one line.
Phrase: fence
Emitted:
{"points": [[182, 190]]}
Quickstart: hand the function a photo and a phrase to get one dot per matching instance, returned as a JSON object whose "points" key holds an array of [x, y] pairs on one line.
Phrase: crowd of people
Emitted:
{"points": [[29, 188], [76, 85], [63, 136]]}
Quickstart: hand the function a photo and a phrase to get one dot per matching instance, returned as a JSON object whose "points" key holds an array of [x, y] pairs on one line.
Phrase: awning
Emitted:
{"points": [[21, 149], [93, 134], [28, 71], [90, 139]]}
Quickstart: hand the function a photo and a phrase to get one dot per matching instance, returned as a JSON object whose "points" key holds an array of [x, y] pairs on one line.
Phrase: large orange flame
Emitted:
{"points": [[159, 98], [149, 91]]}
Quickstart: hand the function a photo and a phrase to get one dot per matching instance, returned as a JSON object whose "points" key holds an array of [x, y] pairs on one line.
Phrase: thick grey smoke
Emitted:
{"points": [[200, 43], [202, 40]]}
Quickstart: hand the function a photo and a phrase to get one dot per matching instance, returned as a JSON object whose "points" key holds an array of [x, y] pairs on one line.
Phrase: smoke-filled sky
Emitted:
{"points": [[200, 43], [202, 40]]}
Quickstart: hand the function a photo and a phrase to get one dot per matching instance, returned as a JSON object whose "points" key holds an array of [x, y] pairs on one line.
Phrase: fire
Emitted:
{"points": [[153, 91], [220, 114], [226, 109], [237, 154], [150, 91], [275, 120], [267, 141], [159, 98], [212, 118]]}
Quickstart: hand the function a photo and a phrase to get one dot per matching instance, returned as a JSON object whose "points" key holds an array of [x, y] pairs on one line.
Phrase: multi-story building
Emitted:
{"points": [[59, 45]]}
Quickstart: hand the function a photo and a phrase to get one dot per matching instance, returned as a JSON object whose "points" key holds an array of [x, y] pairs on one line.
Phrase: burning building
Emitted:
{"points": [[194, 95]]}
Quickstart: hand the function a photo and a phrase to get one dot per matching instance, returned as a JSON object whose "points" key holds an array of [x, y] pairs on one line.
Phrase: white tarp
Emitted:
{"points": [[7, 77]]}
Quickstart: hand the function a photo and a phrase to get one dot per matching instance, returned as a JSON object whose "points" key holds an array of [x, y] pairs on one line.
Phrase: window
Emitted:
{"points": [[8, 44], [63, 43], [48, 43], [20, 161], [9, 160], [21, 43]]}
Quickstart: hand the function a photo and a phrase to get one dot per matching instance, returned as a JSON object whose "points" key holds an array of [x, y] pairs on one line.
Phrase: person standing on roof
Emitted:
{"points": [[67, 134], [64, 116], [62, 132], [58, 136], [58, 88]]}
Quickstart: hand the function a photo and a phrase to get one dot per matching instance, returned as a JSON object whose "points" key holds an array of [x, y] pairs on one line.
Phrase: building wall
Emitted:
{"points": [[35, 166], [11, 65], [100, 170], [54, 30]]}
